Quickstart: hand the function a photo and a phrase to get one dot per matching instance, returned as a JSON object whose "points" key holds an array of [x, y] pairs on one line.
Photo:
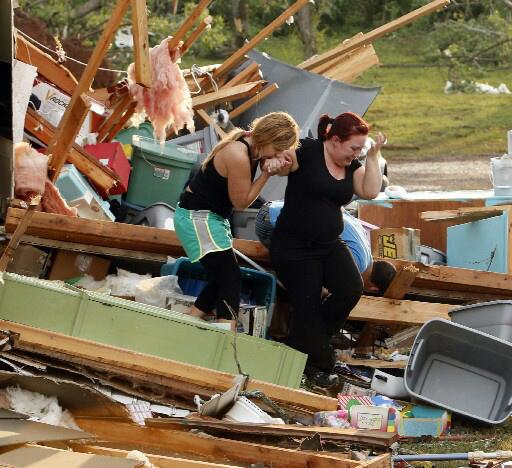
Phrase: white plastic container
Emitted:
{"points": [[244, 410], [390, 383], [501, 175]]}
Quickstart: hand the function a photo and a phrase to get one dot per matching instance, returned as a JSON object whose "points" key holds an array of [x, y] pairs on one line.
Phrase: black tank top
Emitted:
{"points": [[210, 189], [313, 198]]}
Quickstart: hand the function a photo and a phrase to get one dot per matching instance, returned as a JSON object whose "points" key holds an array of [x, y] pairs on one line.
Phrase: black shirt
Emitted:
{"points": [[313, 197], [210, 189]]}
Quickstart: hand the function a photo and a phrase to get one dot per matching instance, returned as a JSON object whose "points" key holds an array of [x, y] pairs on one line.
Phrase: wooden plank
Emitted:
{"points": [[117, 235], [375, 363], [75, 108], [187, 24], [383, 310], [201, 113], [377, 33], [227, 94], [380, 461], [406, 213], [141, 43], [92, 249], [64, 137], [158, 460], [373, 438], [452, 297], [230, 63], [464, 215], [114, 117], [322, 68], [401, 283], [363, 59], [243, 76], [42, 341], [253, 101], [210, 447], [101, 176], [458, 279], [121, 122], [204, 25], [12, 245], [49, 68]]}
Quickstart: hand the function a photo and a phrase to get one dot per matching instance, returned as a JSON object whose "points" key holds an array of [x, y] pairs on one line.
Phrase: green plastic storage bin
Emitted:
{"points": [[159, 172], [125, 136], [144, 328]]}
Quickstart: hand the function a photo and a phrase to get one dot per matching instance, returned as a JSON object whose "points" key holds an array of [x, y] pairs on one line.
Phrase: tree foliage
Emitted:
{"points": [[470, 35]]}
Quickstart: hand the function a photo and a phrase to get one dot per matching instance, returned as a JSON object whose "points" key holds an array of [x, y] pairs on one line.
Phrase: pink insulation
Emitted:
{"points": [[52, 201], [30, 171], [168, 102]]}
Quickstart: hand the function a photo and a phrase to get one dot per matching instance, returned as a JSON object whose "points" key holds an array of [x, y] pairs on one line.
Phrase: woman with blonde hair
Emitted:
{"points": [[226, 181]]}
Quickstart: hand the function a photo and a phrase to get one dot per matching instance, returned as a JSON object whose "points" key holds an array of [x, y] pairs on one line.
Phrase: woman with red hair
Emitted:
{"points": [[306, 250]]}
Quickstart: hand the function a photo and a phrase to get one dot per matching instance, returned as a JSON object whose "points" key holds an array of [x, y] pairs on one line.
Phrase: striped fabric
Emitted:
{"points": [[202, 232]]}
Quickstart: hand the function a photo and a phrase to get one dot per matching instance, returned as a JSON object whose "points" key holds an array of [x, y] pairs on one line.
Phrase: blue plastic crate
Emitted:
{"points": [[258, 288]]}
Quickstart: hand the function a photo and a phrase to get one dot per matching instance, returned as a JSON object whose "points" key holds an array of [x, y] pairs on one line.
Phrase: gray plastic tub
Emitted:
{"points": [[493, 318], [462, 370]]}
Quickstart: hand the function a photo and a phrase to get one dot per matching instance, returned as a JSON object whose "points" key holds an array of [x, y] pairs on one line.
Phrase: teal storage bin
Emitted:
{"points": [[144, 328], [159, 172], [79, 194]]}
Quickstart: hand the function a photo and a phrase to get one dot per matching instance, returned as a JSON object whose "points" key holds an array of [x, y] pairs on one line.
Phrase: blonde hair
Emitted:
{"points": [[278, 129]]}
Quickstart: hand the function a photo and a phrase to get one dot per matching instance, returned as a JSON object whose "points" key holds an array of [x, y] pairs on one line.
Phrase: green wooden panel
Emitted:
{"points": [[146, 329]]}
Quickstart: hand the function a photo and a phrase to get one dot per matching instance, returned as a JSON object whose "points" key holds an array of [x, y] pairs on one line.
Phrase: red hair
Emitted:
{"points": [[343, 126]]}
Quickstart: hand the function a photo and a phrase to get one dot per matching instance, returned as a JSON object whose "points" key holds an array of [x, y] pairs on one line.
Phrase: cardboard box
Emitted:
{"points": [[67, 265], [252, 320], [28, 261], [395, 243]]}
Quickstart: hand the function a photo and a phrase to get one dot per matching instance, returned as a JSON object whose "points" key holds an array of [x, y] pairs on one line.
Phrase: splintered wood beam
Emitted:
{"points": [[141, 43], [14, 241], [213, 448], [101, 176], [122, 121], [457, 279], [118, 235], [114, 117], [202, 114], [229, 64], [227, 94], [377, 33], [320, 69], [64, 137], [158, 460], [46, 65], [187, 24], [464, 215], [253, 101], [203, 26], [76, 105], [384, 310], [153, 367], [401, 283], [243, 76], [357, 63], [373, 438], [375, 363]]}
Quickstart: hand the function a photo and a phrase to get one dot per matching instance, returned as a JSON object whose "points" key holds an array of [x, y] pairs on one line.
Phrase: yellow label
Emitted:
{"points": [[388, 245]]}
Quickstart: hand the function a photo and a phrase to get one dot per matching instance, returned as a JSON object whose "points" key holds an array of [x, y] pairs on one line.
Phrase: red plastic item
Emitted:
{"points": [[112, 155]]}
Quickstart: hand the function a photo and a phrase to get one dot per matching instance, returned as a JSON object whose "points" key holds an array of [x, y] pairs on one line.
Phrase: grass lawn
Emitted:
{"points": [[412, 108]]}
